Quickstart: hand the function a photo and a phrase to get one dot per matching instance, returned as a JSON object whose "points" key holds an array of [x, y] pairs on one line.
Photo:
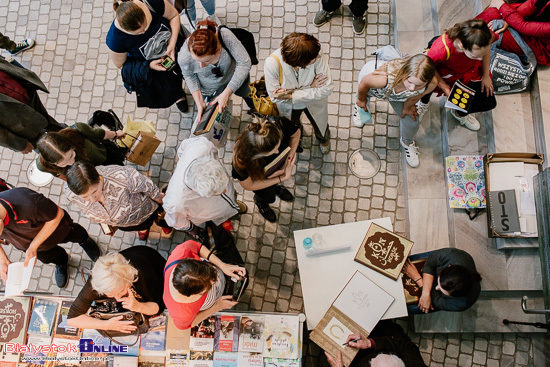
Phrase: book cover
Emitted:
{"points": [[226, 359], [202, 335], [154, 339], [281, 336], [176, 338], [465, 181], [251, 334], [277, 163], [8, 357], [124, 361], [201, 359], [67, 359], [133, 350], [247, 359], [62, 330], [43, 316], [100, 341], [384, 251], [177, 358], [504, 211], [461, 97], [357, 309], [226, 337], [95, 360], [411, 289], [208, 118], [38, 358], [274, 362], [151, 359], [14, 318]]}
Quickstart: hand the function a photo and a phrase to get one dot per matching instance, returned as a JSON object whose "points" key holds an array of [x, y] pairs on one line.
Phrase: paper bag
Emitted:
{"points": [[142, 148], [133, 128]]}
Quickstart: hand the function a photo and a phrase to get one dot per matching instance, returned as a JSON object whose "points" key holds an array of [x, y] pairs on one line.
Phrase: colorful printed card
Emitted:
{"points": [[465, 181]]}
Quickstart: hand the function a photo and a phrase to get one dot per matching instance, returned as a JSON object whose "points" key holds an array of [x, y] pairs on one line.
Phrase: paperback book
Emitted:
{"points": [[278, 163], [209, 116], [154, 339], [201, 359], [251, 333], [410, 287], [281, 336], [14, 319], [384, 251], [357, 309], [177, 358], [226, 337], [202, 335], [43, 316], [62, 330], [124, 361], [151, 359], [226, 359], [247, 359], [461, 97]]}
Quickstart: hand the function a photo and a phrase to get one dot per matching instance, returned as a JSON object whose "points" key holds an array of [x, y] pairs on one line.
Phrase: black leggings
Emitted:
{"points": [[57, 254], [481, 102]]}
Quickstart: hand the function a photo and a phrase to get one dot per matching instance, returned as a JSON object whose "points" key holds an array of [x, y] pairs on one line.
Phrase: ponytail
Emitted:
{"points": [[473, 32], [130, 16]]}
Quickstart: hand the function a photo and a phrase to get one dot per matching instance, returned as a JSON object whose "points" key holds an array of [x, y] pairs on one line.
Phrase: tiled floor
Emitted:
{"points": [[71, 58]]}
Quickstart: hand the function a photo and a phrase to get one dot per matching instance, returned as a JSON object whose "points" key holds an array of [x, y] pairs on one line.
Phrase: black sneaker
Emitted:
{"points": [[283, 193], [61, 275], [266, 211], [91, 249], [182, 105]]}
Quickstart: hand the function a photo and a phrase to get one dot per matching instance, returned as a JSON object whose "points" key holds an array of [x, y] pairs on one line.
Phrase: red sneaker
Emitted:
{"points": [[227, 226], [143, 235], [167, 230]]}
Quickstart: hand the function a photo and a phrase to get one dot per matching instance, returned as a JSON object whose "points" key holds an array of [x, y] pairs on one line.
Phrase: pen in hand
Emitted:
{"points": [[352, 340]]}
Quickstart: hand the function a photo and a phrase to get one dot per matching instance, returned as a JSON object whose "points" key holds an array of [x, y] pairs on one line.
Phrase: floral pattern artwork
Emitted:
{"points": [[465, 181]]}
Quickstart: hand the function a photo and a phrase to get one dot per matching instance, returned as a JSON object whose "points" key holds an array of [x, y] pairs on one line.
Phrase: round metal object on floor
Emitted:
{"points": [[37, 177], [364, 163]]}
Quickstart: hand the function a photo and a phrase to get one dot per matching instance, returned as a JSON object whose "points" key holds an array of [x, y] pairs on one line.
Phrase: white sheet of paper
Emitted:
{"points": [[337, 331], [502, 174], [363, 301], [19, 277]]}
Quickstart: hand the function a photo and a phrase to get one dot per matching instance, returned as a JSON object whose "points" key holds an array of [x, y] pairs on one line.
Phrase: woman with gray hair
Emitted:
{"points": [[134, 276], [200, 189]]}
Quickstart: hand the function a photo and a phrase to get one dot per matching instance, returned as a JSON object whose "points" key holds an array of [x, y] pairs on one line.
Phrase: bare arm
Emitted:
{"points": [[172, 15], [118, 58], [46, 231], [88, 322], [4, 262], [369, 81], [275, 178], [425, 302]]}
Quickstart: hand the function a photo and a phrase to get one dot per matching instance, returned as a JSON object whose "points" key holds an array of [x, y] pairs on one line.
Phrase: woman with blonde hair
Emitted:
{"points": [[134, 276], [402, 82], [257, 146]]}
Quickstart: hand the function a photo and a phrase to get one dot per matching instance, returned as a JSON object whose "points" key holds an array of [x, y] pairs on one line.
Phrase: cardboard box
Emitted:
{"points": [[531, 158], [143, 148]]}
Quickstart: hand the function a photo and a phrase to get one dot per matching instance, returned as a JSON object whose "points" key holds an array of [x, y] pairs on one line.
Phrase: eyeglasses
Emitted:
{"points": [[217, 72]]}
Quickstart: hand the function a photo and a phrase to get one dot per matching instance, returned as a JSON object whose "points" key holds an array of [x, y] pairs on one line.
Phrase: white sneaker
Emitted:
{"points": [[421, 109], [468, 121], [360, 117], [411, 153]]}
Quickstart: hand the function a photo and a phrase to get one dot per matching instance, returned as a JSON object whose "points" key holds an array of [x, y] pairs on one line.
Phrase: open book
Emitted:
{"points": [[19, 277], [461, 97], [277, 163], [208, 118], [357, 309]]}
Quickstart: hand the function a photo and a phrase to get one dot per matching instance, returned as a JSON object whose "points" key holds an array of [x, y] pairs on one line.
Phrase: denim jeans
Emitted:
{"points": [[407, 126], [208, 5]]}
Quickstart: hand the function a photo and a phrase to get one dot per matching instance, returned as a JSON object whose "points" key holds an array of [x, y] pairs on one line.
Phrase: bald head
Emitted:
{"points": [[386, 360]]}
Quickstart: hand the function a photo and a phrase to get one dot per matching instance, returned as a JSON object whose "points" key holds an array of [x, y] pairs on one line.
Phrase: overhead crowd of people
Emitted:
{"points": [[142, 40]]}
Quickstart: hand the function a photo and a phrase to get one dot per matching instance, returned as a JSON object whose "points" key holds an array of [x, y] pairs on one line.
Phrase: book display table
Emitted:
{"points": [[324, 275]]}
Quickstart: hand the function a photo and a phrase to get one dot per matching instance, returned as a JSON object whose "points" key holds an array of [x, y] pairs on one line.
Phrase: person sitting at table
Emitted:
{"points": [[193, 288], [386, 346], [200, 189], [133, 276], [456, 288], [114, 195]]}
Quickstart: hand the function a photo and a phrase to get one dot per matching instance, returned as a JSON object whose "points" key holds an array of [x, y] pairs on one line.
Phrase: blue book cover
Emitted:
{"points": [[154, 339], [43, 316], [226, 359]]}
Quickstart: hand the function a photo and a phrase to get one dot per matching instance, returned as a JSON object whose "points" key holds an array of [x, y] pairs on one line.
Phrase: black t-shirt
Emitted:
{"points": [[289, 128], [150, 284], [28, 211], [148, 46]]}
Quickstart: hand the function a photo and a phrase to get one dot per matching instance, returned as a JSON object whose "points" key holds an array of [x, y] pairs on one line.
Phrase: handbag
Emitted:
{"points": [[258, 92], [511, 72], [106, 309]]}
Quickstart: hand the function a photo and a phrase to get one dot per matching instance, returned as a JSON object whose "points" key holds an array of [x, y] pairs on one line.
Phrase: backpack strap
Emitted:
{"points": [[446, 47], [280, 69], [11, 207], [171, 264]]}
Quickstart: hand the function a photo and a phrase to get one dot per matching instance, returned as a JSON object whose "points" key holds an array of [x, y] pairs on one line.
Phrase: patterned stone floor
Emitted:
{"points": [[71, 58]]}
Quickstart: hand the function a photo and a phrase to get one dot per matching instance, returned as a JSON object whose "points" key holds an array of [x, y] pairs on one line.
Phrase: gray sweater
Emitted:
{"points": [[234, 65]]}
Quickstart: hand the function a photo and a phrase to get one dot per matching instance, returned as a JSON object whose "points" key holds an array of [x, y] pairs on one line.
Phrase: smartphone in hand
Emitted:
{"points": [[167, 62]]}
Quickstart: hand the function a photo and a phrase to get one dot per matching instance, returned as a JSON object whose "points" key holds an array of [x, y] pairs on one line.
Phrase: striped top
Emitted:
{"points": [[215, 292]]}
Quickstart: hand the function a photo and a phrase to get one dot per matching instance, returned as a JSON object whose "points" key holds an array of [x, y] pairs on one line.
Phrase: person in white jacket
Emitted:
{"points": [[305, 83], [200, 189]]}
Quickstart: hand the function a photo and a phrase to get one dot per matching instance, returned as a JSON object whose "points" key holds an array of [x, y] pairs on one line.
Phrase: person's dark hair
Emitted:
{"points": [[129, 15], [457, 280], [299, 49], [261, 136], [81, 176], [473, 32], [53, 145], [204, 41], [193, 277]]}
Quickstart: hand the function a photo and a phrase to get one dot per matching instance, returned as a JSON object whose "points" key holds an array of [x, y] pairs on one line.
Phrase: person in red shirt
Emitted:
{"points": [[530, 18], [463, 53], [193, 288]]}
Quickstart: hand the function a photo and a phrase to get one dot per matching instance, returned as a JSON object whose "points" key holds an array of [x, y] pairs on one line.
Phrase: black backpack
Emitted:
{"points": [[4, 186], [246, 38]]}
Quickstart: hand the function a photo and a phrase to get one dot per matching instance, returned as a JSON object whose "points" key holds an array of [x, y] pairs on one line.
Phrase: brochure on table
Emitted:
{"points": [[333, 270]]}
